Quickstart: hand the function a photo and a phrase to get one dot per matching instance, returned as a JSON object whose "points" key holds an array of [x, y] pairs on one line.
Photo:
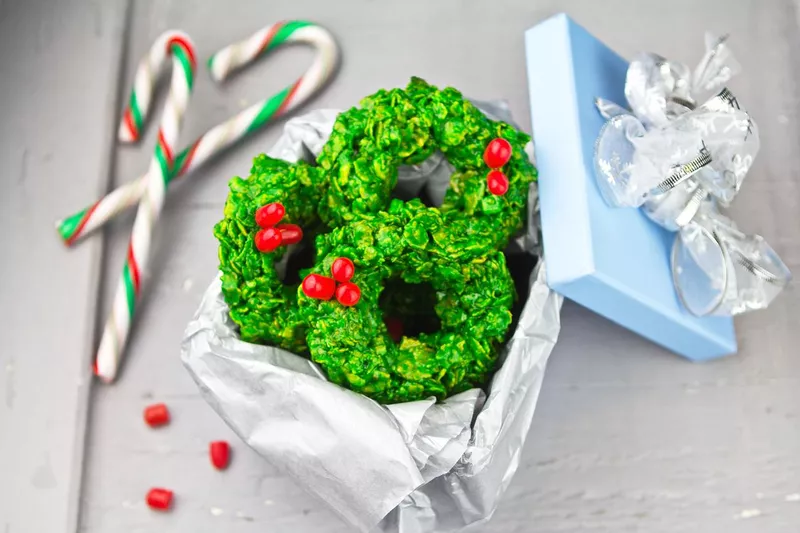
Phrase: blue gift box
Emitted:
{"points": [[614, 261]]}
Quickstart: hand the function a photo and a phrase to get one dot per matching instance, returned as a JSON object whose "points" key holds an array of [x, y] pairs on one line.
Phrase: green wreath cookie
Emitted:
{"points": [[347, 335], [398, 127], [250, 243], [344, 200]]}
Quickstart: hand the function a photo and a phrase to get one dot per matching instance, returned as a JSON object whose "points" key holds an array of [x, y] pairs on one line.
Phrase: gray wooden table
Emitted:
{"points": [[627, 437]]}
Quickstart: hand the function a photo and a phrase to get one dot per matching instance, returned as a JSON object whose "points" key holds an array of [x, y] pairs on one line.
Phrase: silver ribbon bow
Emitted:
{"points": [[680, 162]]}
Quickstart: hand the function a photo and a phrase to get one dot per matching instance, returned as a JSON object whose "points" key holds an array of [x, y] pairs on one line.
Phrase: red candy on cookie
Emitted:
{"points": [[348, 294], [497, 182], [290, 233], [343, 269], [497, 153], [267, 240], [319, 287], [395, 328], [270, 214]]}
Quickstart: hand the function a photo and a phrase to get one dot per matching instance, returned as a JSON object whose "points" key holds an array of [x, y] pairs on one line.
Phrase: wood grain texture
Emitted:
{"points": [[57, 86], [627, 437]]}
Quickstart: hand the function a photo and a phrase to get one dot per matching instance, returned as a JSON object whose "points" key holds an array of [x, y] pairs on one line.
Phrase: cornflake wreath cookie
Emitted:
{"points": [[366, 242], [473, 298], [488, 190], [263, 215]]}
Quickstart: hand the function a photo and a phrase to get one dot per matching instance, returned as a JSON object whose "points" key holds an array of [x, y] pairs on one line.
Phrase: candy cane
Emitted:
{"points": [[222, 136], [179, 47]]}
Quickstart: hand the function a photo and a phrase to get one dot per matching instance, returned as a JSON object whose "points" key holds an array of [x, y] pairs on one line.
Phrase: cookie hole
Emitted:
{"points": [[300, 258], [426, 180], [412, 304], [521, 265]]}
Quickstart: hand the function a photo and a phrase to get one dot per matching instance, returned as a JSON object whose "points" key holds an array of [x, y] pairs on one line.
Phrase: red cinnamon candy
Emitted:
{"points": [[343, 269], [268, 239], [270, 214], [319, 287], [395, 328], [290, 233], [348, 294], [497, 182], [156, 415], [497, 153], [159, 499], [220, 453]]}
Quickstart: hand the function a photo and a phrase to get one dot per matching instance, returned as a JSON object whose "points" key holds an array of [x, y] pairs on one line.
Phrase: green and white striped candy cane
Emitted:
{"points": [[112, 344], [237, 55]]}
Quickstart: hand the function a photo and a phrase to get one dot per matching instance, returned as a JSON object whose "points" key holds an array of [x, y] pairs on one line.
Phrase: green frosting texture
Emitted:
{"points": [[344, 205]]}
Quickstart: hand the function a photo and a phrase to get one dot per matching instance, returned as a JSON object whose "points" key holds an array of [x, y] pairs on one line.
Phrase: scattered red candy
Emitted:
{"points": [[348, 294], [290, 233], [497, 153], [343, 269], [270, 214], [156, 415], [395, 327], [268, 239], [159, 499], [319, 287], [497, 182], [220, 453]]}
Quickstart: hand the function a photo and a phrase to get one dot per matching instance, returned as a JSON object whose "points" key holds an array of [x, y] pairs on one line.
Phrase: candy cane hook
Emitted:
{"points": [[222, 136], [177, 46]]}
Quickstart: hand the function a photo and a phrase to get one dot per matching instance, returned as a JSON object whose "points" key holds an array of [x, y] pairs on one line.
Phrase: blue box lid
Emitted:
{"points": [[614, 261]]}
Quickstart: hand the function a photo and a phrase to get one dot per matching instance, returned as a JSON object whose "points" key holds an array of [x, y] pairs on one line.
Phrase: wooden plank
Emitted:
{"points": [[58, 88]]}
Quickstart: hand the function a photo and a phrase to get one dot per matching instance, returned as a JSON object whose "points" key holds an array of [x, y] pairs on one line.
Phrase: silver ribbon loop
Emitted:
{"points": [[678, 207], [692, 206], [731, 137], [719, 270], [685, 171], [609, 109], [613, 161], [716, 67], [680, 162], [723, 101]]}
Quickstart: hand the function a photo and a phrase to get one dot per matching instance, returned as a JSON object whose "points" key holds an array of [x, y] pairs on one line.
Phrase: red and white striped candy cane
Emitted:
{"points": [[176, 45], [237, 55]]}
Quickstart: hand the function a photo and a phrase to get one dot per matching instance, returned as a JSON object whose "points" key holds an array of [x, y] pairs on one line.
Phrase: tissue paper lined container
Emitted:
{"points": [[614, 261], [412, 467]]}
